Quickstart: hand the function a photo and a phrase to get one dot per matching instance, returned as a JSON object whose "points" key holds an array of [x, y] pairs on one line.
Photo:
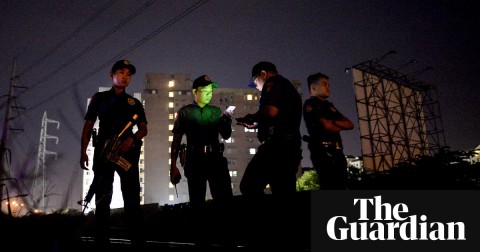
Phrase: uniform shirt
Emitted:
{"points": [[114, 112], [202, 126], [313, 109], [280, 93]]}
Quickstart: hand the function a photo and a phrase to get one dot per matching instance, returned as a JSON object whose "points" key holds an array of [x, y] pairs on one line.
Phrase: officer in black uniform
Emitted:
{"points": [[276, 161], [278, 122], [116, 111], [202, 124], [324, 123]]}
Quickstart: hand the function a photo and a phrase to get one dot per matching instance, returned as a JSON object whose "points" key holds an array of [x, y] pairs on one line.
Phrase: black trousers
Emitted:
{"points": [[331, 167], [103, 187]]}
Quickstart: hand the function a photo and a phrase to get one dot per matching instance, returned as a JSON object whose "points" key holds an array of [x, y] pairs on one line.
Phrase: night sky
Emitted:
{"points": [[65, 49]]}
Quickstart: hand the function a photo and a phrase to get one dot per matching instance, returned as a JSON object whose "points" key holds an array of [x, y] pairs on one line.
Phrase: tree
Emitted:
{"points": [[308, 181]]}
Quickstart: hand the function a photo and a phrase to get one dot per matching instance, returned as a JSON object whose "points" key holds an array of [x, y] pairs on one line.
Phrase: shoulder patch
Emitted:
{"points": [[131, 101], [308, 108]]}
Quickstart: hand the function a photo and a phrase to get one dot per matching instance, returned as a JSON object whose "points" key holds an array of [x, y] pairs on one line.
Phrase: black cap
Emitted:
{"points": [[203, 81], [258, 68], [123, 64]]}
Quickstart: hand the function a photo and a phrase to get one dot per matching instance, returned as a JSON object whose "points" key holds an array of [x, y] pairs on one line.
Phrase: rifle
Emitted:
{"points": [[112, 150]]}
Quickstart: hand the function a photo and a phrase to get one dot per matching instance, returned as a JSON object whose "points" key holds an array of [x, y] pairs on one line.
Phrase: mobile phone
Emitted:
{"points": [[230, 109]]}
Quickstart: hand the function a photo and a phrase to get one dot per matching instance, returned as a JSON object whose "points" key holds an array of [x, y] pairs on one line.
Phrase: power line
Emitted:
{"points": [[131, 48], [95, 43], [70, 36], [45, 26]]}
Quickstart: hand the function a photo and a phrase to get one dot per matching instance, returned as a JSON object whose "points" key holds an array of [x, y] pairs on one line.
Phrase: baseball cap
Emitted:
{"points": [[258, 68], [203, 81], [123, 64]]}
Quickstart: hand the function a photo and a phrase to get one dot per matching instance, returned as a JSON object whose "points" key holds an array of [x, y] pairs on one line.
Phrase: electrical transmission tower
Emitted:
{"points": [[38, 185]]}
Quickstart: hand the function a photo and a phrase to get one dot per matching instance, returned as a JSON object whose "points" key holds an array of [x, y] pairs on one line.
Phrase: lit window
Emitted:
{"points": [[170, 138], [170, 104], [171, 83], [170, 94], [249, 97], [170, 116], [230, 140], [169, 149], [170, 185], [171, 197], [170, 126], [252, 151], [169, 161]]}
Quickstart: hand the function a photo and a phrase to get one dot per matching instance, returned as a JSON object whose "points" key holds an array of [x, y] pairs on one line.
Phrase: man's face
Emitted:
{"points": [[203, 95], [322, 88], [259, 80], [122, 77]]}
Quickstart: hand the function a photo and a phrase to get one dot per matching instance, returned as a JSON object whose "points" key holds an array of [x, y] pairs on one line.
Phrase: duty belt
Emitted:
{"points": [[210, 148], [335, 145]]}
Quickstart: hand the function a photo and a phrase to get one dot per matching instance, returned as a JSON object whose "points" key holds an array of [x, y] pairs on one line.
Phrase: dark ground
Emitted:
{"points": [[271, 225]]}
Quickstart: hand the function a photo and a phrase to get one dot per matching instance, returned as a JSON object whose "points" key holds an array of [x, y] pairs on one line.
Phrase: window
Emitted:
{"points": [[233, 173], [170, 94], [252, 151], [171, 83]]}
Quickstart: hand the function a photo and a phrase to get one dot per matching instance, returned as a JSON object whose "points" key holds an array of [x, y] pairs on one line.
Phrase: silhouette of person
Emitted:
{"points": [[116, 111], [203, 124], [324, 123]]}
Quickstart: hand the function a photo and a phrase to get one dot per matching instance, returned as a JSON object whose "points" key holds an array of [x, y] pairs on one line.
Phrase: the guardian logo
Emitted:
{"points": [[391, 223]]}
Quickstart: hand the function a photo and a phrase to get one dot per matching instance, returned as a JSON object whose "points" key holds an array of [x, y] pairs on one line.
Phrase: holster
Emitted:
{"points": [[182, 154]]}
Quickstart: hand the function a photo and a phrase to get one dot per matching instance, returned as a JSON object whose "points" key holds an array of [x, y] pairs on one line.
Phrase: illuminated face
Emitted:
{"points": [[122, 77], [321, 88], [203, 95], [259, 80]]}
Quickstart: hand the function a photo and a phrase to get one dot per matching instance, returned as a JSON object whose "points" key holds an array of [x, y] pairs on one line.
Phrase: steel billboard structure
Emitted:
{"points": [[399, 117]]}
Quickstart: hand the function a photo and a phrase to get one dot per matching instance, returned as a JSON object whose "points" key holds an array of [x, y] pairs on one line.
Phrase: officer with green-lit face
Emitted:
{"points": [[206, 128], [203, 95]]}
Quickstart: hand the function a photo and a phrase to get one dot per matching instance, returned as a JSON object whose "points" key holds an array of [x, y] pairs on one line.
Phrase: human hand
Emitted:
{"points": [[127, 144], [247, 121], [175, 175], [84, 161]]}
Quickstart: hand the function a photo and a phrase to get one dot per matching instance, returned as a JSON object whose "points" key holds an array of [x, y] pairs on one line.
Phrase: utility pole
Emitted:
{"points": [[38, 186], [5, 171]]}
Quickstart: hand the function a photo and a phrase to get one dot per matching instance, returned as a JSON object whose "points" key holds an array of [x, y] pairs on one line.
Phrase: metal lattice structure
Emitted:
{"points": [[38, 191], [399, 117]]}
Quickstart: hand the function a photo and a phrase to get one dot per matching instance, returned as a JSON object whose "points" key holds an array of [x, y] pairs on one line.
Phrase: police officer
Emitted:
{"points": [[324, 124], [116, 109], [276, 161], [203, 124], [278, 122]]}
